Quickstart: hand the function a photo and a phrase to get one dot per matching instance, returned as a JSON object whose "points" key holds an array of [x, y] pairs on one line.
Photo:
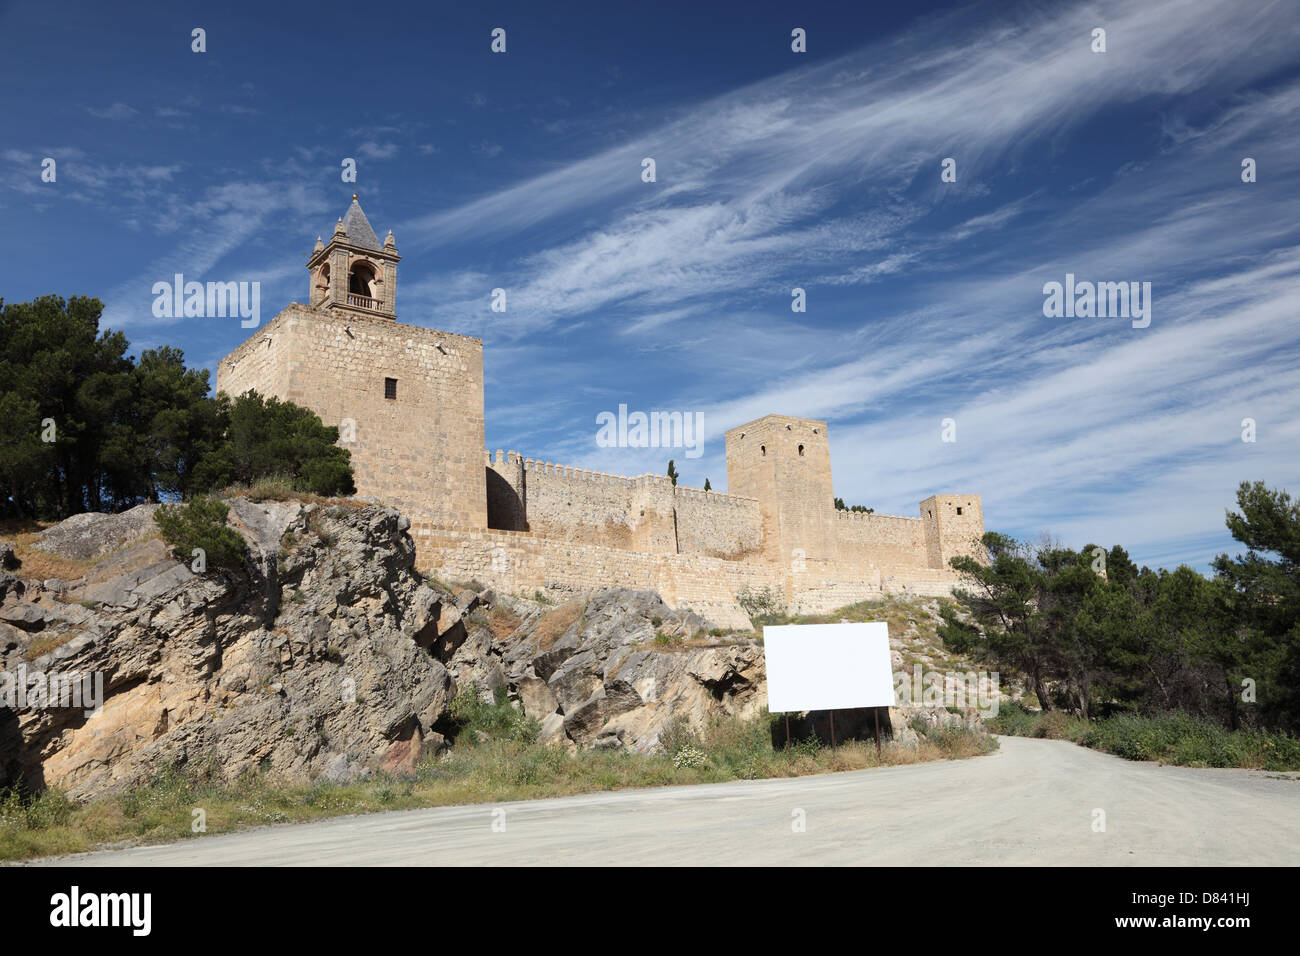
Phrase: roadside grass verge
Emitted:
{"points": [[495, 759], [1174, 738]]}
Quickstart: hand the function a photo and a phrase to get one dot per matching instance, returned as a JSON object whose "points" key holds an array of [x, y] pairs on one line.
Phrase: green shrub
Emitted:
{"points": [[688, 757], [38, 811], [677, 735], [1013, 719], [201, 525], [1176, 738], [763, 605], [1182, 739], [496, 720]]}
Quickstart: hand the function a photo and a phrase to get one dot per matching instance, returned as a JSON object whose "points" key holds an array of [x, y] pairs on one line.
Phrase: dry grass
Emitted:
{"points": [[281, 488], [502, 623], [438, 584], [272, 488], [36, 563], [48, 642], [42, 565], [556, 622]]}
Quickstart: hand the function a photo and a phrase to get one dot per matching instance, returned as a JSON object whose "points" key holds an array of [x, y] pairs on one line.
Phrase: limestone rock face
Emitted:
{"points": [[92, 535], [606, 677], [305, 663]]}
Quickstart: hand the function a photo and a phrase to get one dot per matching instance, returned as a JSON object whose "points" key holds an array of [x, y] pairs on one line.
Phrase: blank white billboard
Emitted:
{"points": [[828, 666]]}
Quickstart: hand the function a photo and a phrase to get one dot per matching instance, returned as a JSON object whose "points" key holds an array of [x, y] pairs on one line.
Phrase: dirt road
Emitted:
{"points": [[1034, 802]]}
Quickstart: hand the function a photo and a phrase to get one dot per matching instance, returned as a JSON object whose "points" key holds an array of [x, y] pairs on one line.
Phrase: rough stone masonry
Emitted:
{"points": [[409, 404]]}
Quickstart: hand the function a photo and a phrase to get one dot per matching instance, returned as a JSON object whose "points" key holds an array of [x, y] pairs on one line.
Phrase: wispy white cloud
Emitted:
{"points": [[117, 111], [373, 150]]}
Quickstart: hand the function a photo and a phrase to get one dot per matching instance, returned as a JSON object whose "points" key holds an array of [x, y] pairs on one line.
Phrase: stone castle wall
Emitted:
{"points": [[718, 525], [421, 452], [572, 530], [642, 513], [524, 563], [575, 504], [872, 539], [257, 363]]}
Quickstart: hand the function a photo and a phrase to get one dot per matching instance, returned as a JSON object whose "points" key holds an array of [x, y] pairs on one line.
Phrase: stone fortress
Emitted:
{"points": [[409, 404]]}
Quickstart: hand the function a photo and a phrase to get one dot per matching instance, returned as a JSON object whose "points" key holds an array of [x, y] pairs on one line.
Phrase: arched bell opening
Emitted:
{"points": [[320, 287], [363, 285]]}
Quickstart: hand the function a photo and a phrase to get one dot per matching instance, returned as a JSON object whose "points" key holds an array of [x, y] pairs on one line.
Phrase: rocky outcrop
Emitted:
{"points": [[306, 663], [614, 672], [89, 536]]}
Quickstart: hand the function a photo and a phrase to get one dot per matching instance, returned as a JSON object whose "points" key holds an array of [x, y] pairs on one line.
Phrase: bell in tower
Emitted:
{"points": [[355, 271]]}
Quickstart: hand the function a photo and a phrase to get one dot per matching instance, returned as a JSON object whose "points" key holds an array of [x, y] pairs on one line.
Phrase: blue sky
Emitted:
{"points": [[775, 170]]}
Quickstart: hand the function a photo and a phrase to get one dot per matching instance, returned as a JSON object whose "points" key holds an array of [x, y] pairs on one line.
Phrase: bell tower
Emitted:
{"points": [[407, 399], [355, 271]]}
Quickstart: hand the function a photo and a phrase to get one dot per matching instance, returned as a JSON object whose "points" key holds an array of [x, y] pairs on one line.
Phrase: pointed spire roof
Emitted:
{"points": [[358, 227]]}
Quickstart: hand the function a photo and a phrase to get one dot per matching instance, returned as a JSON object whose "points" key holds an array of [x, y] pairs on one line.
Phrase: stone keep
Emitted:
{"points": [[785, 463], [408, 400]]}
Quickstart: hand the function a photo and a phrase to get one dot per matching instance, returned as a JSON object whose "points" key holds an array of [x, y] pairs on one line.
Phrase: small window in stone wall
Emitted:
{"points": [[959, 509], [801, 451], [390, 388], [762, 450]]}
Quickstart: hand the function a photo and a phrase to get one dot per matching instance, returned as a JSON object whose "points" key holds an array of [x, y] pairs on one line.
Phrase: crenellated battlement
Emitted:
{"points": [[538, 467], [644, 511], [504, 459], [648, 513], [870, 516], [718, 497]]}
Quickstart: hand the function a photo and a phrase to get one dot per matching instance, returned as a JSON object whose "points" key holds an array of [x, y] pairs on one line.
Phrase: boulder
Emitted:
{"points": [[537, 698], [91, 536], [552, 729], [607, 677], [312, 673], [25, 616]]}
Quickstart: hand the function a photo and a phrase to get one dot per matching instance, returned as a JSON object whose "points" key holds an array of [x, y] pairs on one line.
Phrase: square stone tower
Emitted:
{"points": [[785, 463], [408, 400], [953, 525]]}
